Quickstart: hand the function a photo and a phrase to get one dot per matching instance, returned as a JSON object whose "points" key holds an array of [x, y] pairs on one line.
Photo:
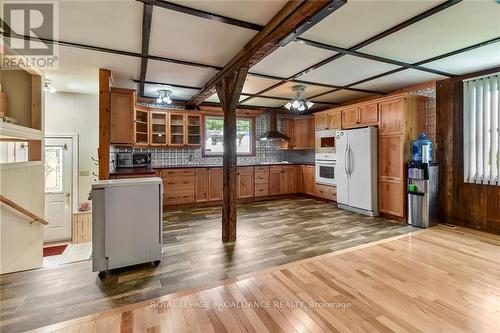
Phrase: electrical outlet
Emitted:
{"points": [[84, 173]]}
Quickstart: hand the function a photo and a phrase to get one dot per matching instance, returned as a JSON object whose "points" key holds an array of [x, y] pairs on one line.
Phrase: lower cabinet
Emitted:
{"points": [[261, 181], [179, 186], [202, 185], [288, 181], [325, 192], [216, 180], [308, 179], [275, 172], [245, 182], [199, 185], [391, 197]]}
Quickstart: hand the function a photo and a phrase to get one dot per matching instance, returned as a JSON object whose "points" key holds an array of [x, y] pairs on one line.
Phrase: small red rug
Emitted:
{"points": [[53, 250]]}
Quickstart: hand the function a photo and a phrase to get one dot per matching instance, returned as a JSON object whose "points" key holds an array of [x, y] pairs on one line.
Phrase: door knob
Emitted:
{"points": [[67, 195]]}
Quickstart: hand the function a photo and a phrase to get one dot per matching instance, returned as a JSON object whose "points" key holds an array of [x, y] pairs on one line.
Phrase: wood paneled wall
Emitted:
{"points": [[470, 205]]}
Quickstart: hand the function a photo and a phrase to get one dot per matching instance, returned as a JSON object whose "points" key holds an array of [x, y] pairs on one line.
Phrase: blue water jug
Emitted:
{"points": [[417, 147]]}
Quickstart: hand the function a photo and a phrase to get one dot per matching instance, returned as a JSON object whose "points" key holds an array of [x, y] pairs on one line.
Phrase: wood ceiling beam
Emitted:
{"points": [[203, 14], [287, 20], [147, 15]]}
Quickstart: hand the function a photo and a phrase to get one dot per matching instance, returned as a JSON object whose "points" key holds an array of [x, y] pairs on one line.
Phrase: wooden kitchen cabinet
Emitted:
{"points": [[401, 120], [122, 116], [334, 120], [141, 127], [350, 117], [325, 192], [193, 130], [215, 176], [391, 165], [202, 184], [288, 179], [391, 117], [179, 186], [177, 123], [311, 134], [261, 181], [368, 114], [321, 121], [308, 179], [331, 119], [275, 172], [301, 133], [245, 185], [392, 197], [158, 127]]}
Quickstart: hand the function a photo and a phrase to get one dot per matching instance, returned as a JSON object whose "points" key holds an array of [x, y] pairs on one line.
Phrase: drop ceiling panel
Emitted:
{"points": [[357, 20], [403, 79], [80, 61], [471, 61], [286, 90], [258, 12], [164, 72], [291, 59], [102, 23], [341, 96], [461, 25], [215, 98], [196, 39], [346, 70], [254, 84], [182, 94], [265, 102]]}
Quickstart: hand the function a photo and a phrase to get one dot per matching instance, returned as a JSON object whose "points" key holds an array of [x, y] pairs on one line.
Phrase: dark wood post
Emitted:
{"points": [[229, 90], [104, 122]]}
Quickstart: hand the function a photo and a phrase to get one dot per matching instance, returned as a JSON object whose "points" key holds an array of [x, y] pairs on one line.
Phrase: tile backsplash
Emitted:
{"points": [[264, 152]]}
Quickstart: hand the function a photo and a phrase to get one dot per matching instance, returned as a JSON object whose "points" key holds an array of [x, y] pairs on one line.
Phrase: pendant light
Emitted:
{"points": [[299, 103]]}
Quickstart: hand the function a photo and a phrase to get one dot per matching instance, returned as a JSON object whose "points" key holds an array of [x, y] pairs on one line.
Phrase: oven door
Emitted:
{"points": [[325, 172], [325, 141]]}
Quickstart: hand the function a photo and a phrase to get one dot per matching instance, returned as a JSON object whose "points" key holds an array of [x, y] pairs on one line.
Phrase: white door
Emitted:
{"points": [[359, 165], [58, 186], [341, 168]]}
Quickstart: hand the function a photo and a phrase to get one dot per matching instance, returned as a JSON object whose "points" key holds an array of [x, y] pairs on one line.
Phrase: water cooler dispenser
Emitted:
{"points": [[422, 185], [422, 194]]}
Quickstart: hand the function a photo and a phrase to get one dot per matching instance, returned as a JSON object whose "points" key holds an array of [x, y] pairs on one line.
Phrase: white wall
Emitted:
{"points": [[71, 113]]}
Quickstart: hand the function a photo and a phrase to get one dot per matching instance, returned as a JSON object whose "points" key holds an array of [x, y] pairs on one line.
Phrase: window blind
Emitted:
{"points": [[481, 132]]}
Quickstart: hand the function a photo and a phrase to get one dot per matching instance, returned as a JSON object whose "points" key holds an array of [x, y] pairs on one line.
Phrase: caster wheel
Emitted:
{"points": [[157, 262], [102, 275]]}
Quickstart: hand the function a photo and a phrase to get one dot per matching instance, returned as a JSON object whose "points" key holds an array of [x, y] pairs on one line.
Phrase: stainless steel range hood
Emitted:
{"points": [[273, 134]]}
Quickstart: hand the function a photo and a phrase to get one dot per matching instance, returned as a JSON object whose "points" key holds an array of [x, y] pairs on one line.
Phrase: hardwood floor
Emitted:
{"points": [[269, 234], [435, 280]]}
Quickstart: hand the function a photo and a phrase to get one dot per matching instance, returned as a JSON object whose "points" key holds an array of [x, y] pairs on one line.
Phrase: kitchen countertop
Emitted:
{"points": [[151, 170], [220, 166], [133, 171]]}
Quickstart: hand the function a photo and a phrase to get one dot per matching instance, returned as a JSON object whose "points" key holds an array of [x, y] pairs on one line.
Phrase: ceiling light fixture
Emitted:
{"points": [[164, 96], [299, 103], [48, 87]]}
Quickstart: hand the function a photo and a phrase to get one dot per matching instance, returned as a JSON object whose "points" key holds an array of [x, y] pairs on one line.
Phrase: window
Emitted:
{"points": [[53, 169], [214, 136], [481, 137], [13, 151]]}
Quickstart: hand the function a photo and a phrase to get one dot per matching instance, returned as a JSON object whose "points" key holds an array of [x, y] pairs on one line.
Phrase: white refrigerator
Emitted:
{"points": [[356, 172]]}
